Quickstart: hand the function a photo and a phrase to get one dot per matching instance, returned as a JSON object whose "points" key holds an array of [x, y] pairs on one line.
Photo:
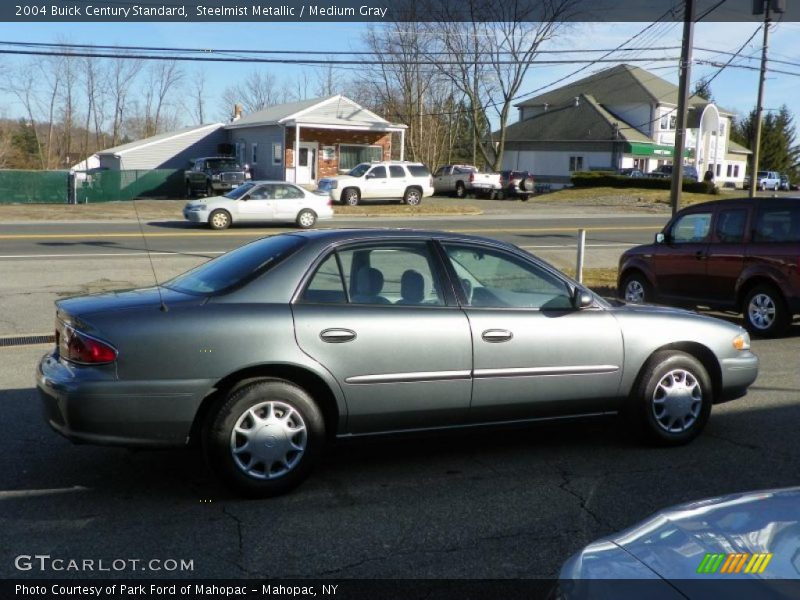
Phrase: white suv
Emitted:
{"points": [[408, 182], [768, 180]]}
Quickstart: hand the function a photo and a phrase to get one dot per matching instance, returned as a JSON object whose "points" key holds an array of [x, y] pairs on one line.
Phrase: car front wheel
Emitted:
{"points": [[350, 197], [412, 197], [219, 219], [672, 401], [263, 441], [306, 219], [635, 289], [765, 312]]}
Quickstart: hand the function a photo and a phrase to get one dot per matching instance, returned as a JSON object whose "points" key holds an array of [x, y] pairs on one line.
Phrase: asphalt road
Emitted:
{"points": [[42, 262], [483, 504]]}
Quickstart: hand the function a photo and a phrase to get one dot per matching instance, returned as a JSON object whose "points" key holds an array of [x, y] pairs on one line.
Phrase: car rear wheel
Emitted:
{"points": [[461, 190], [635, 289], [264, 439], [306, 218], [672, 401], [765, 312], [412, 197], [219, 219], [350, 197]]}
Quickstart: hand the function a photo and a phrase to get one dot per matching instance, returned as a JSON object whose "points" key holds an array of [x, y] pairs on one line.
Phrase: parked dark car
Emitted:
{"points": [[516, 184], [665, 172], [267, 352], [737, 254], [213, 175], [630, 172]]}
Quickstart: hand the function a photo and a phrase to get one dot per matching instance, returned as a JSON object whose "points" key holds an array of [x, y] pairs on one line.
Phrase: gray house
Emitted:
{"points": [[172, 150], [327, 135]]}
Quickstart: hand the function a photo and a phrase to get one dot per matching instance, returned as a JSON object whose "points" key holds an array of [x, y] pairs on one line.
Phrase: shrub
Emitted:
{"points": [[605, 179]]}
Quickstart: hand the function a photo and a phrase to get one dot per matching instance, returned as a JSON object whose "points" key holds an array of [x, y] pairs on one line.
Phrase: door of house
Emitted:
{"points": [[306, 163]]}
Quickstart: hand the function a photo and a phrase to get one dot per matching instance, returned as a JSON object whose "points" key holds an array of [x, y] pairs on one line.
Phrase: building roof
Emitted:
{"points": [[157, 139], [585, 121], [618, 85], [738, 148], [338, 111]]}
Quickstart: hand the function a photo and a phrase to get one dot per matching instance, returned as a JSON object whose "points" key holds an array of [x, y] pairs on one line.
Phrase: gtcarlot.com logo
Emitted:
{"points": [[45, 562], [734, 563]]}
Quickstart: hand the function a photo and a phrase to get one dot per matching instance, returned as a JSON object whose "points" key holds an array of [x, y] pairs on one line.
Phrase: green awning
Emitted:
{"points": [[657, 150]]}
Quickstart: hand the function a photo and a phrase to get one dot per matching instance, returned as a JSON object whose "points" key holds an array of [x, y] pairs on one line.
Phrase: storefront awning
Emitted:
{"points": [[656, 150]]}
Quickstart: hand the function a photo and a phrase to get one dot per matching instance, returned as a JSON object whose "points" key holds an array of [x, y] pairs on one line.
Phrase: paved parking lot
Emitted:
{"points": [[485, 504]]}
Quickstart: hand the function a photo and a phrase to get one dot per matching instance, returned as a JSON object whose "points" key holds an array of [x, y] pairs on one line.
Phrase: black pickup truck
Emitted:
{"points": [[213, 175]]}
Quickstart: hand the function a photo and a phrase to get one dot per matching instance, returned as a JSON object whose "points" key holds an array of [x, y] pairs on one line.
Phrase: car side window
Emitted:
{"points": [[284, 191], [690, 228], [381, 274], [396, 171], [260, 193], [777, 225], [494, 279], [378, 173], [730, 225]]}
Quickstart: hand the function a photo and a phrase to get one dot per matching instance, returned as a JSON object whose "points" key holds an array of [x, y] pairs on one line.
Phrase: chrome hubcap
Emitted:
{"points": [[306, 219], [220, 220], [677, 401], [761, 311], [268, 440], [634, 292], [412, 199]]}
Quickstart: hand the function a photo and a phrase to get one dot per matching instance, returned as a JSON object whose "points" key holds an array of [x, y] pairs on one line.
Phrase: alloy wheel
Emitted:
{"points": [[634, 292], [761, 311]]}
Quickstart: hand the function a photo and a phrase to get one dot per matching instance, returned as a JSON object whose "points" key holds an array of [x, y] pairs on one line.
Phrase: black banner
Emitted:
{"points": [[383, 10]]}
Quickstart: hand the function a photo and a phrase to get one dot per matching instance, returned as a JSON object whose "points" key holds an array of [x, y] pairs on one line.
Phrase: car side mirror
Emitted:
{"points": [[660, 238], [582, 299]]}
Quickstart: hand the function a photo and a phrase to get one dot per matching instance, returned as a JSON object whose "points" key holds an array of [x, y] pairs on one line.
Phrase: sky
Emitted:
{"points": [[734, 89]]}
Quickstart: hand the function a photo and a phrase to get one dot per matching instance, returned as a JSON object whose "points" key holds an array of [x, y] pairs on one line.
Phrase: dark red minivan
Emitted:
{"points": [[739, 254]]}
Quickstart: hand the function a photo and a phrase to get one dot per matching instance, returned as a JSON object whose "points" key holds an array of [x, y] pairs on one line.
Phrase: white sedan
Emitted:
{"points": [[260, 201]]}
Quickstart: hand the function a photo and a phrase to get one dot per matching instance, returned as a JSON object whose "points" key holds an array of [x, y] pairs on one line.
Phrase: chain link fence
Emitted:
{"points": [[96, 185]]}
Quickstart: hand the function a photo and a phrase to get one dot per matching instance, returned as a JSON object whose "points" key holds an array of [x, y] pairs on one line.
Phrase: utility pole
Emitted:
{"points": [[760, 6], [683, 101]]}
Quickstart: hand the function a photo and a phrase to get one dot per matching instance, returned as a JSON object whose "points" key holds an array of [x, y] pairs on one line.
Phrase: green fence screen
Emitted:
{"points": [[34, 187], [57, 187]]}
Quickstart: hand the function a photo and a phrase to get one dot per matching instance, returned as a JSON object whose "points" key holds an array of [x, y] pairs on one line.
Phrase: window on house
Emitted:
{"points": [[253, 154], [664, 121], [240, 152], [277, 153], [351, 155], [722, 128], [730, 170], [576, 163], [718, 170], [673, 121], [736, 170]]}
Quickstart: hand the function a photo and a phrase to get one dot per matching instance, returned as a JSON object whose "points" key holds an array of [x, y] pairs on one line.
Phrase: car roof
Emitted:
{"points": [[770, 201], [355, 234]]}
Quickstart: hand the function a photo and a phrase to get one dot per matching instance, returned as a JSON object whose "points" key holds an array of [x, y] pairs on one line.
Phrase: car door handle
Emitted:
{"points": [[496, 335], [337, 336]]}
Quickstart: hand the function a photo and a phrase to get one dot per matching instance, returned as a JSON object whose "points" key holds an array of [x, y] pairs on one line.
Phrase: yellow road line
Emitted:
{"points": [[61, 236]]}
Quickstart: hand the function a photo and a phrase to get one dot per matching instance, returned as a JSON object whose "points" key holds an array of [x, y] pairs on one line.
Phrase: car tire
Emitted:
{"points": [[765, 312], [672, 399], [461, 190], [350, 197], [412, 197], [306, 218], [501, 195], [219, 219], [282, 425], [493, 195], [635, 289]]}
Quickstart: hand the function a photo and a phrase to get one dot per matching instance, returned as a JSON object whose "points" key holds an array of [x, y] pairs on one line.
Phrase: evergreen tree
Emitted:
{"points": [[778, 150], [702, 88]]}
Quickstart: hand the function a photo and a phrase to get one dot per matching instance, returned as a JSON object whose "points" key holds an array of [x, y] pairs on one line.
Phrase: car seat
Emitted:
{"points": [[412, 287], [369, 284]]}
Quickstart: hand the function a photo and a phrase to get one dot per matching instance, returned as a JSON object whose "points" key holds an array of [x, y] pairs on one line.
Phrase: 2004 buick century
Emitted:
{"points": [[271, 351]]}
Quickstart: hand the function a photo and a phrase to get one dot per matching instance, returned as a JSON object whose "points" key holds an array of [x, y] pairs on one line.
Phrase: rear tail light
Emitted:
{"points": [[471, 177], [78, 347]]}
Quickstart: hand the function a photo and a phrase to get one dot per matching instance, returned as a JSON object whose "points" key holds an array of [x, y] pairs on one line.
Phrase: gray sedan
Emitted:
{"points": [[271, 351]]}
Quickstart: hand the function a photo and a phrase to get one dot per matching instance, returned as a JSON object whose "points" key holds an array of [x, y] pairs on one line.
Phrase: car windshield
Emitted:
{"points": [[359, 170], [223, 163], [240, 191], [236, 267]]}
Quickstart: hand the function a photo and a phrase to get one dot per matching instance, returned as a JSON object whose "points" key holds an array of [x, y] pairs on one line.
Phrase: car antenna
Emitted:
{"points": [[162, 305]]}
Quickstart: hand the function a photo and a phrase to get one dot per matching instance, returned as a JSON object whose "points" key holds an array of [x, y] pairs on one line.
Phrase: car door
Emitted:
{"points": [[398, 181], [534, 354], [679, 263], [288, 200], [725, 257], [379, 318], [376, 183], [258, 204]]}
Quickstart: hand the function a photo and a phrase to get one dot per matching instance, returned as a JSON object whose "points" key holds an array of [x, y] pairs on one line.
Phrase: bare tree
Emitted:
{"points": [[326, 81], [123, 74], [258, 90], [93, 79], [488, 57], [21, 82], [163, 78], [198, 95]]}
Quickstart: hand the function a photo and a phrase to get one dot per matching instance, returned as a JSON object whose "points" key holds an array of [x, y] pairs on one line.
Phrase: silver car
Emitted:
{"points": [[271, 351]]}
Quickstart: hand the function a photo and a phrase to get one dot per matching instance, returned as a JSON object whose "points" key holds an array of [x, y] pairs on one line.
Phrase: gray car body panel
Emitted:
{"points": [[407, 368]]}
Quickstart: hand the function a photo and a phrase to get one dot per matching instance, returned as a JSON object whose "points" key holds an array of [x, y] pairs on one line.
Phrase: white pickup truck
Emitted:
{"points": [[465, 179]]}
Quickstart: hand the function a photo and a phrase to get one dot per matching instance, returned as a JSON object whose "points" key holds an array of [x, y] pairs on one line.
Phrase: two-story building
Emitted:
{"points": [[622, 117]]}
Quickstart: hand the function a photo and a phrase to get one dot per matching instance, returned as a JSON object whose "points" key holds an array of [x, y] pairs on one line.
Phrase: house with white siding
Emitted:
{"points": [[617, 118]]}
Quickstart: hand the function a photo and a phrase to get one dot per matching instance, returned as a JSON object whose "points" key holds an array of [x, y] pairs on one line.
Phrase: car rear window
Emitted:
{"points": [[778, 225], [237, 267], [419, 170]]}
